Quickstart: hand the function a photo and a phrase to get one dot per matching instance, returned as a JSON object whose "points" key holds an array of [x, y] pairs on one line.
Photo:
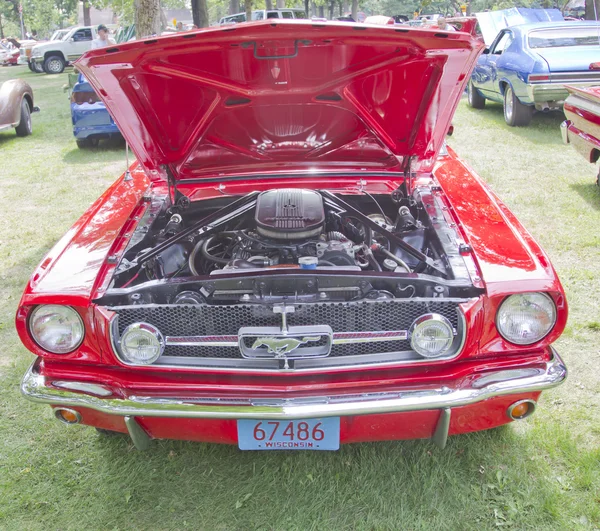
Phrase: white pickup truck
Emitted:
{"points": [[52, 57]]}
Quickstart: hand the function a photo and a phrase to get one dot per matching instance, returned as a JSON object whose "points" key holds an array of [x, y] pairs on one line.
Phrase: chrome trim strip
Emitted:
{"points": [[339, 338], [466, 392]]}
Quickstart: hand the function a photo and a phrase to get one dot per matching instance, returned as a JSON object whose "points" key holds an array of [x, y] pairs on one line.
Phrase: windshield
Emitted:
{"points": [[562, 37]]}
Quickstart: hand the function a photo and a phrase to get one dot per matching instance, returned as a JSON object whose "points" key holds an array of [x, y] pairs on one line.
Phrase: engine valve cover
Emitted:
{"points": [[290, 214]]}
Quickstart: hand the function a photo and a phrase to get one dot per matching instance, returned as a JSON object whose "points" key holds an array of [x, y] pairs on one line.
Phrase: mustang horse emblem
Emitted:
{"points": [[280, 346]]}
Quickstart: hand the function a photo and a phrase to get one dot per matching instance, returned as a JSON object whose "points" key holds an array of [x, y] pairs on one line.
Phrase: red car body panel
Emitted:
{"points": [[315, 96], [500, 256], [582, 127]]}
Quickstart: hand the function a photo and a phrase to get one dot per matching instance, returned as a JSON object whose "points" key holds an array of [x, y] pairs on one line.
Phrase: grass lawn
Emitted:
{"points": [[542, 473]]}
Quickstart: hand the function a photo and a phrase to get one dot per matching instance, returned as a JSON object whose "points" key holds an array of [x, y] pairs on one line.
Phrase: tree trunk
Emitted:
{"points": [[268, 4], [147, 18], [87, 21], [331, 8], [590, 14], [234, 7], [248, 9], [307, 7], [321, 11], [200, 13], [1, 28], [280, 4], [355, 9]]}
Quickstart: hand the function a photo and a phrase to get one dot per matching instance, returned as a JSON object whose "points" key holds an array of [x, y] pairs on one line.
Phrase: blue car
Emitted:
{"points": [[91, 120], [527, 67]]}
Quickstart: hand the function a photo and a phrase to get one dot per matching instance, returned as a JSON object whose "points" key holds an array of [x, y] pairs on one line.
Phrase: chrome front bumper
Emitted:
{"points": [[469, 390]]}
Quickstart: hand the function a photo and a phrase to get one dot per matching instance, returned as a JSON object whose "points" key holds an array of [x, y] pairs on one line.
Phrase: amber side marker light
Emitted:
{"points": [[521, 409], [68, 416]]}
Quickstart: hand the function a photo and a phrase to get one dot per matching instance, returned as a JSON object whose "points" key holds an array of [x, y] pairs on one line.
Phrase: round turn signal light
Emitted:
{"points": [[521, 409], [68, 416]]}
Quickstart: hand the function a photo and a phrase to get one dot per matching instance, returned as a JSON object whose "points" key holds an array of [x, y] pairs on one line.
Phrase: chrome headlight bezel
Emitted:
{"points": [[538, 298], [434, 321], [152, 333], [67, 313]]}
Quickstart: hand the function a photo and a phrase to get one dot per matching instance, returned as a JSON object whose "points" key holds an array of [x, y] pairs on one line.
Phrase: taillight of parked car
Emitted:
{"points": [[84, 97]]}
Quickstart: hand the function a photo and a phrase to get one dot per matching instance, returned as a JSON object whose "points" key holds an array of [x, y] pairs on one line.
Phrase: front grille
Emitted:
{"points": [[226, 320]]}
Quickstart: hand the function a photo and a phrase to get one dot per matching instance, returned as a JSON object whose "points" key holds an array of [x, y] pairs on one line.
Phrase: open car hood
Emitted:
{"points": [[284, 96]]}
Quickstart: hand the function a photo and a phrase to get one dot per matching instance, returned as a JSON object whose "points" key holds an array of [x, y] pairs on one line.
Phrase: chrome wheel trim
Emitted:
{"points": [[55, 66], [508, 104]]}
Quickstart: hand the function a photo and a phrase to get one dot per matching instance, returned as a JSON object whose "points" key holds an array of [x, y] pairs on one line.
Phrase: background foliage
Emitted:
{"points": [[44, 16]]}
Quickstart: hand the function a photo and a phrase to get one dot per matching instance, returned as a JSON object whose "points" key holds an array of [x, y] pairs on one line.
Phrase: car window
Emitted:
{"points": [[299, 14], [287, 14], [504, 42], [272, 14], [258, 15], [561, 37], [83, 35]]}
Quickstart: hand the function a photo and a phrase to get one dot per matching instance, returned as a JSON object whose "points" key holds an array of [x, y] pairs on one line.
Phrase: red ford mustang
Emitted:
{"points": [[295, 260]]}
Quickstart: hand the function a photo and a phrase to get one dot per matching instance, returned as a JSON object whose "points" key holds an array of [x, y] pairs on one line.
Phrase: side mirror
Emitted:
{"points": [[72, 39], [450, 130], [486, 51]]}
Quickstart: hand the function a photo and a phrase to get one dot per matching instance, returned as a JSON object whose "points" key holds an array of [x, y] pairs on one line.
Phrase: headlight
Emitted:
{"points": [[526, 318], [431, 335], [57, 329], [142, 343]]}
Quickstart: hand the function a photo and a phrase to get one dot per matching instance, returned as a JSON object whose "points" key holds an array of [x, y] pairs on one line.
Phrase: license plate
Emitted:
{"points": [[306, 434]]}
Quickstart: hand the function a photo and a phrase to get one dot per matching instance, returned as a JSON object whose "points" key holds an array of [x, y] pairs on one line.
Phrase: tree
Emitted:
{"points": [[87, 20], [147, 18], [248, 9], [590, 12], [234, 7], [200, 13], [355, 9]]}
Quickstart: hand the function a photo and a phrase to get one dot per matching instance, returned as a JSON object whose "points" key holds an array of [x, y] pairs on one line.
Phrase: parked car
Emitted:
{"points": [[527, 67], [9, 52], [262, 14], [288, 265], [582, 126], [27, 46], [52, 57], [91, 120], [16, 106]]}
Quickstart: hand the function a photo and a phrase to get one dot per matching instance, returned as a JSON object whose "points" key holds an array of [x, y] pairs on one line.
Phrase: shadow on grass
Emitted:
{"points": [[590, 192], [109, 150], [535, 132]]}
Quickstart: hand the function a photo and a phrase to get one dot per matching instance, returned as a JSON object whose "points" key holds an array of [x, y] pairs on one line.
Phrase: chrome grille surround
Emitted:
{"points": [[365, 333]]}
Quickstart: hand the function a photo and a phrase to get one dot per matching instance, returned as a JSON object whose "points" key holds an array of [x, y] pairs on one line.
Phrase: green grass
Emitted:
{"points": [[543, 473]]}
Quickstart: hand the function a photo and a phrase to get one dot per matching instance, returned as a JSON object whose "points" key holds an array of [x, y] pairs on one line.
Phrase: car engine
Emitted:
{"points": [[292, 229]]}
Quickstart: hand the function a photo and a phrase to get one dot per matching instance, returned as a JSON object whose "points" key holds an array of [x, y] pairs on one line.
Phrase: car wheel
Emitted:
{"points": [[515, 113], [30, 65], [38, 68], [86, 143], [474, 98], [24, 127], [54, 65]]}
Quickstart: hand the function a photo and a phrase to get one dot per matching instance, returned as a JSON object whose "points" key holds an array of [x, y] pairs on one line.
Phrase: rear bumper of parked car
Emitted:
{"points": [[553, 92], [460, 402], [92, 119]]}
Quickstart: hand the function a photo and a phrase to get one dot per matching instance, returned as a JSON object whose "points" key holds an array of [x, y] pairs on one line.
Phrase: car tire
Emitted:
{"points": [[54, 64], [474, 98], [86, 143], [515, 113], [30, 65], [24, 127], [38, 68]]}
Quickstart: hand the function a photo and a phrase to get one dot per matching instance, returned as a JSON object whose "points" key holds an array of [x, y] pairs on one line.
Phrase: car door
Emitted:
{"points": [[486, 72], [81, 43]]}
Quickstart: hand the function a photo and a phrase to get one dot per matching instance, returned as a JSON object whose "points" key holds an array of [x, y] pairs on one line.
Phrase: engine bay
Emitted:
{"points": [[292, 230]]}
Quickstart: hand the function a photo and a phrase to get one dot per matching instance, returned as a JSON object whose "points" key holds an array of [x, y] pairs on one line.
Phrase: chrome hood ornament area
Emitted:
{"points": [[295, 342]]}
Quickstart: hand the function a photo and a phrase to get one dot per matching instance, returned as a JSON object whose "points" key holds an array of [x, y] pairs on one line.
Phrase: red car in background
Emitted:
{"points": [[582, 126], [296, 260]]}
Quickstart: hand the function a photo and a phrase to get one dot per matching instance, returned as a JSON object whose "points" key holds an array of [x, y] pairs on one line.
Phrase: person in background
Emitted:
{"points": [[103, 39], [179, 26]]}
